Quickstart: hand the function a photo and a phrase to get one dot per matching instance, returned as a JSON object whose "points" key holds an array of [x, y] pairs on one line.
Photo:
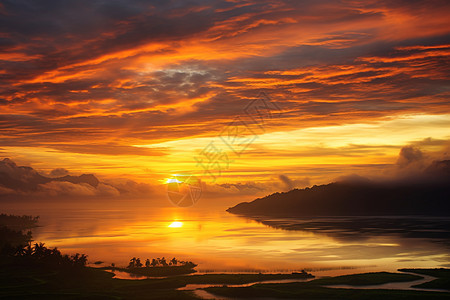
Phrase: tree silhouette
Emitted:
{"points": [[163, 262], [79, 260], [174, 261], [138, 263], [154, 262], [38, 253], [132, 263]]}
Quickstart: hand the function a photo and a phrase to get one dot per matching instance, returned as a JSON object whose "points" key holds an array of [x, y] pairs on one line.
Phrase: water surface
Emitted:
{"points": [[113, 231]]}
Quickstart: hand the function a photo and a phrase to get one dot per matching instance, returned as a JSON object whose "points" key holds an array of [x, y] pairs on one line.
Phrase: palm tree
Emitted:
{"points": [[138, 263], [174, 261], [154, 262], [79, 260], [163, 262], [132, 263], [25, 251], [39, 250]]}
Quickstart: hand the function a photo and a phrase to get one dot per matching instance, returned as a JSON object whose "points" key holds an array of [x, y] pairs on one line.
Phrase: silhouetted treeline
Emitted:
{"points": [[12, 235], [16, 247], [158, 262], [11, 240], [20, 222], [39, 253], [354, 199]]}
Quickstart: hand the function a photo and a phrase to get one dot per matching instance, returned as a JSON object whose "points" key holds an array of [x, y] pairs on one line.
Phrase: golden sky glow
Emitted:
{"points": [[138, 89]]}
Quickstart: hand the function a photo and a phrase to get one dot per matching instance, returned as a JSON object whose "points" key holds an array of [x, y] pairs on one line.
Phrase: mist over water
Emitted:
{"points": [[113, 231]]}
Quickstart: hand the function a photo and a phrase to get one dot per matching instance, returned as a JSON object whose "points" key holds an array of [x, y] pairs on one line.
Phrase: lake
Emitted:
{"points": [[113, 231]]}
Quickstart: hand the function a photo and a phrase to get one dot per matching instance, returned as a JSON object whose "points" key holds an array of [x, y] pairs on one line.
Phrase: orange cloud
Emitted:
{"points": [[136, 74]]}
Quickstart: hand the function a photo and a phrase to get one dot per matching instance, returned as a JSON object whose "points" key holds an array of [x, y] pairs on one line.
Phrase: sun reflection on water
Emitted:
{"points": [[176, 224]]}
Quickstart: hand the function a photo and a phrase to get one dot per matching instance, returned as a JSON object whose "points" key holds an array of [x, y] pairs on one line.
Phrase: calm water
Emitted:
{"points": [[115, 231]]}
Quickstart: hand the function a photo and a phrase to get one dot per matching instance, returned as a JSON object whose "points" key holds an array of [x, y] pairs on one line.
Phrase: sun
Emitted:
{"points": [[176, 224], [172, 180]]}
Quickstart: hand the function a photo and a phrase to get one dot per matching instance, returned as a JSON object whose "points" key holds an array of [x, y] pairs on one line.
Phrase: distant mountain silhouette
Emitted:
{"points": [[427, 194], [25, 179]]}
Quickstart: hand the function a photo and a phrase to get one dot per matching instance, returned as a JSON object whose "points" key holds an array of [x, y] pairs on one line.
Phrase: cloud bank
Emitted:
{"points": [[25, 181]]}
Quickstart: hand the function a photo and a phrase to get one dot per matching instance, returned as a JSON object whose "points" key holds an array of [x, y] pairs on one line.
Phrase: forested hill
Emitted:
{"points": [[415, 197]]}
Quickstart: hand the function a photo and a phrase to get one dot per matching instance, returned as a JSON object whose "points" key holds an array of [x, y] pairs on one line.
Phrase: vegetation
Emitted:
{"points": [[302, 290], [43, 282], [442, 281], [98, 284], [91, 283], [357, 198], [315, 289], [158, 267], [18, 222], [12, 240], [16, 247], [39, 254], [366, 279], [12, 237], [161, 262]]}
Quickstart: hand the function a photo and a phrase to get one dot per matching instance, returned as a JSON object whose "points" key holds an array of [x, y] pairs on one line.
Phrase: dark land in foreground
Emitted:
{"points": [[316, 289], [38, 282]]}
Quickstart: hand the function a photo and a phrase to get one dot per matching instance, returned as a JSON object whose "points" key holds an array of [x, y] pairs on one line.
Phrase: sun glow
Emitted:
{"points": [[172, 180], [176, 224]]}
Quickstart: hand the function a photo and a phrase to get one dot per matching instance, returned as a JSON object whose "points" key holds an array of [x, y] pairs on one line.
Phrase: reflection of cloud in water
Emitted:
{"points": [[399, 239], [364, 228]]}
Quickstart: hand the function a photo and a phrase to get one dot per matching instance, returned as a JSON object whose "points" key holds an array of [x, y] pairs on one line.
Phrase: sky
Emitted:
{"points": [[148, 89]]}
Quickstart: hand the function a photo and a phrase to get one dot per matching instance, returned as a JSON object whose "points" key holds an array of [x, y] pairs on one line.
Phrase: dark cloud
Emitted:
{"points": [[410, 155], [57, 34], [25, 181], [290, 184], [353, 178], [59, 172]]}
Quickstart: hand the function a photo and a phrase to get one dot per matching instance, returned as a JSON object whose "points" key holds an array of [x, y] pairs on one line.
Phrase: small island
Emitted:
{"points": [[158, 267]]}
